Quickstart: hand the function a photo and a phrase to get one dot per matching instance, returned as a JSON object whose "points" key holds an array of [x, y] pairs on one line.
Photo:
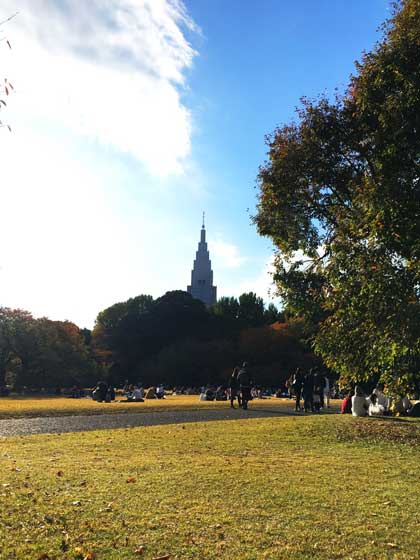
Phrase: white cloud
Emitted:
{"points": [[227, 254], [112, 70], [94, 79], [261, 283]]}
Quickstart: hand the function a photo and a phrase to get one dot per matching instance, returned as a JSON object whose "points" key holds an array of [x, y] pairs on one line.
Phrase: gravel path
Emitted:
{"points": [[61, 424]]}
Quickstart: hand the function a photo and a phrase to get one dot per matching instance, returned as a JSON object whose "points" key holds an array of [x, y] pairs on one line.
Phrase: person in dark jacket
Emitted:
{"points": [[308, 390], [244, 385], [234, 388], [318, 392]]}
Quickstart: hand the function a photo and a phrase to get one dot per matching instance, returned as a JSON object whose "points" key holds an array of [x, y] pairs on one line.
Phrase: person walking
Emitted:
{"points": [[244, 382], [234, 388]]}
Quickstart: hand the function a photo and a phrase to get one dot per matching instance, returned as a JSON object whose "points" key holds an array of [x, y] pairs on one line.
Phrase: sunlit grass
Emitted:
{"points": [[17, 407], [292, 487]]}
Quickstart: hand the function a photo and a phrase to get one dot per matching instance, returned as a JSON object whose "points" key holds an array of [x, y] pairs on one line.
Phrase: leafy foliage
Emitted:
{"points": [[42, 353], [342, 187]]}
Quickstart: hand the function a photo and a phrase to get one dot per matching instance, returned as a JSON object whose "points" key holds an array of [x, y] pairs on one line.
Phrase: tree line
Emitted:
{"points": [[173, 340], [43, 353]]}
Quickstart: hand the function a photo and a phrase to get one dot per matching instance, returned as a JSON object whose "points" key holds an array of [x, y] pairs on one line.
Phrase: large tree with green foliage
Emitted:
{"points": [[341, 187]]}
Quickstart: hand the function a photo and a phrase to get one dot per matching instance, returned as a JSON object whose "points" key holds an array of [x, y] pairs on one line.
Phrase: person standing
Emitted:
{"points": [[244, 382], [327, 391], [307, 390], [297, 388], [318, 392], [234, 388]]}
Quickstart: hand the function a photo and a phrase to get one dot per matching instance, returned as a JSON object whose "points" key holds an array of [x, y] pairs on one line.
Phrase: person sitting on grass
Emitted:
{"points": [[138, 394], [160, 392], [375, 409], [415, 410], [382, 399], [151, 393], [110, 394], [210, 394], [99, 393], [401, 406], [359, 403], [134, 394], [346, 403]]}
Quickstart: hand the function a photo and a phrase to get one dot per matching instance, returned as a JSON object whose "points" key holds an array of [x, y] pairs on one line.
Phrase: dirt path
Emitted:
{"points": [[61, 424]]}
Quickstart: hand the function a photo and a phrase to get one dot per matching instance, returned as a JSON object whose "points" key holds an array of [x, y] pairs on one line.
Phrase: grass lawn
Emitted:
{"points": [[315, 487], [19, 407]]}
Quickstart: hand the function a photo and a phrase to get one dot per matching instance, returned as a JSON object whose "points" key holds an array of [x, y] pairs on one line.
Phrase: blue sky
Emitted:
{"points": [[131, 117]]}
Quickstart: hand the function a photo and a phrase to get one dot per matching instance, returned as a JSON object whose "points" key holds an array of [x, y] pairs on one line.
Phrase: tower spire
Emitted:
{"points": [[202, 275]]}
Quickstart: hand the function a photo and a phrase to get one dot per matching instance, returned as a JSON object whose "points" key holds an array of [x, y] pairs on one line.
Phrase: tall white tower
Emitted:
{"points": [[202, 275]]}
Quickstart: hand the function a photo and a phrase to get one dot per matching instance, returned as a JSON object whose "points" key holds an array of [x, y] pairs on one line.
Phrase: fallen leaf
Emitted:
{"points": [[131, 479], [89, 556]]}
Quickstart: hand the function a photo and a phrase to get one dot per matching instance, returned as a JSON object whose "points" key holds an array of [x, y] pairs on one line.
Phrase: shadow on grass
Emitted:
{"points": [[291, 412], [383, 429]]}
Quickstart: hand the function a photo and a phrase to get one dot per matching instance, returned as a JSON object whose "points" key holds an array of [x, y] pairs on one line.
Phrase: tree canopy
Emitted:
{"points": [[340, 197], [42, 353], [176, 340]]}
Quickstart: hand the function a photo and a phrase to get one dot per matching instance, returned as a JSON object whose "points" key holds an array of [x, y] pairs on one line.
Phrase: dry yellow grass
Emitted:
{"points": [[318, 487], [19, 407]]}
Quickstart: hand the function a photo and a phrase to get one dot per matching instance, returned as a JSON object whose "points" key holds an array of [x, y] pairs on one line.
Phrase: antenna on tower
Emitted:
{"points": [[204, 214]]}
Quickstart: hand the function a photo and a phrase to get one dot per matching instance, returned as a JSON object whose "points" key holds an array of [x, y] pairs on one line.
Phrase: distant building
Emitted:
{"points": [[202, 275]]}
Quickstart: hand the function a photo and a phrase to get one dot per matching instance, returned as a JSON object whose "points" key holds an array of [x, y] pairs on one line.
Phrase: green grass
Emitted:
{"points": [[316, 487]]}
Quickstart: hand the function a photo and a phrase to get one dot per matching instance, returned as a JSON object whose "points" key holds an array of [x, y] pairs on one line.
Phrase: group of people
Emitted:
{"points": [[313, 388], [136, 393], [378, 403], [103, 392]]}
